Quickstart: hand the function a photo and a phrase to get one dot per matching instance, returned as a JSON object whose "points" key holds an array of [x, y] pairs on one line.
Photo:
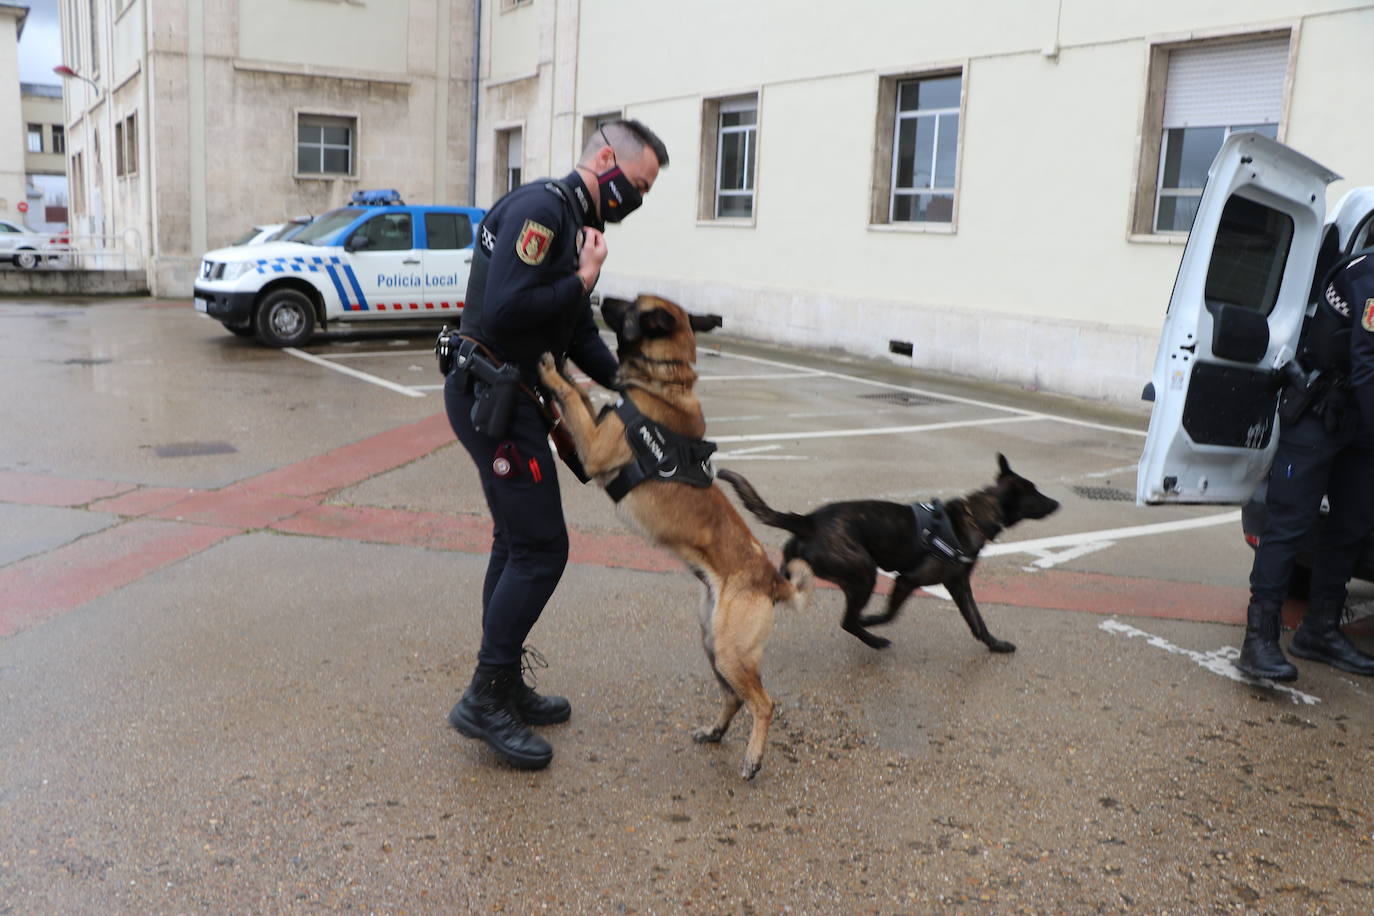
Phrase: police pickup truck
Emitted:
{"points": [[374, 260]]}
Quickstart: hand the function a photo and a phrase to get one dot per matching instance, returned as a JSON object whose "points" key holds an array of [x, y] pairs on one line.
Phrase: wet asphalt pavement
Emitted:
{"points": [[236, 605]]}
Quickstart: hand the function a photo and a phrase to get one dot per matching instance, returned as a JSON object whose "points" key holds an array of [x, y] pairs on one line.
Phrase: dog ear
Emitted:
{"points": [[1002, 467], [703, 323]]}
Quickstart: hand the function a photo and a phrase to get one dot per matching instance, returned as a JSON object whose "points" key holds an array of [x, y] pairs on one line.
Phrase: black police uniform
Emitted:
{"points": [[524, 299], [1327, 451]]}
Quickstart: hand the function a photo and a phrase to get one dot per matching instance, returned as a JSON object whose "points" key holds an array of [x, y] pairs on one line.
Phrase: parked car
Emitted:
{"points": [[375, 260], [257, 235], [290, 229], [27, 249]]}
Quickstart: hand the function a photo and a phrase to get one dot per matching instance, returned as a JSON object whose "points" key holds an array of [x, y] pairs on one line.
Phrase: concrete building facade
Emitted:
{"points": [[192, 120], [994, 189], [45, 159], [12, 18]]}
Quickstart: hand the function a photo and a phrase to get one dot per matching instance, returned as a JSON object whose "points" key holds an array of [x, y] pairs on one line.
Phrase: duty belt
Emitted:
{"points": [[659, 454]]}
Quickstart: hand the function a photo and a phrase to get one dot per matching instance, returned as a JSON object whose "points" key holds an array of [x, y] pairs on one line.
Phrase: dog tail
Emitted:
{"points": [[788, 521], [796, 585]]}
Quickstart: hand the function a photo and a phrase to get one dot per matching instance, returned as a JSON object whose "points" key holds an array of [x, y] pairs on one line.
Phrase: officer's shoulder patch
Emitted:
{"points": [[1367, 317], [532, 244]]}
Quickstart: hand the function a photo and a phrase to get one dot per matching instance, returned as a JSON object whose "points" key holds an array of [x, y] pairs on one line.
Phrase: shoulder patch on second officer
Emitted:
{"points": [[532, 244], [1367, 319]]}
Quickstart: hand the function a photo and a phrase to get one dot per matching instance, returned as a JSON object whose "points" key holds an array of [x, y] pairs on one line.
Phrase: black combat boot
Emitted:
{"points": [[1320, 639], [487, 711], [1260, 655], [533, 707]]}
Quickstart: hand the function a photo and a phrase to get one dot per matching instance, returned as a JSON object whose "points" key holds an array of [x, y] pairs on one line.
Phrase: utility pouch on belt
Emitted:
{"points": [[1301, 390], [494, 394]]}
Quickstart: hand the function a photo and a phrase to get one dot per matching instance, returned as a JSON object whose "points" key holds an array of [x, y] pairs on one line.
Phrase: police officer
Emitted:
{"points": [[1327, 450], [538, 255]]}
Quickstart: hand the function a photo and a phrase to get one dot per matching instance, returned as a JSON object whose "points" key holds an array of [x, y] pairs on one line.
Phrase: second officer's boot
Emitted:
{"points": [[487, 711], [1260, 655], [1320, 639]]}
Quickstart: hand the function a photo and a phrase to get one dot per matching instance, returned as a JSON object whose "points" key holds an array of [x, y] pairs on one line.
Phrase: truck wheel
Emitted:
{"points": [[26, 259], [285, 319]]}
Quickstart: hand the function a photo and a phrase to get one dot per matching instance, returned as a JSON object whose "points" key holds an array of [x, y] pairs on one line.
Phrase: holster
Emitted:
{"points": [[1302, 391]]}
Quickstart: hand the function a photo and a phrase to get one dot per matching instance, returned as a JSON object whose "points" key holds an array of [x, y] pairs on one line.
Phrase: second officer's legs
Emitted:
{"points": [[1351, 494], [1297, 482]]}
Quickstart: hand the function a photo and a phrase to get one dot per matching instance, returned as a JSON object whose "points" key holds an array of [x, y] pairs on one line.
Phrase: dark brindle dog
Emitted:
{"points": [[657, 349], [848, 542]]}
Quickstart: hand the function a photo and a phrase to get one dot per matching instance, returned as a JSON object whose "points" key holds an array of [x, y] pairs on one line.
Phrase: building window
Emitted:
{"points": [[93, 24], [925, 149], [324, 145], [1202, 94], [592, 123], [510, 156], [131, 144], [59, 138], [736, 145], [512, 4], [119, 147], [78, 184], [35, 138]]}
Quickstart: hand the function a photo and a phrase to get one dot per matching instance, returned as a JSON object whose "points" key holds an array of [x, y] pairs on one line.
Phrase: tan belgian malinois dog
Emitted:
{"points": [[694, 519]]}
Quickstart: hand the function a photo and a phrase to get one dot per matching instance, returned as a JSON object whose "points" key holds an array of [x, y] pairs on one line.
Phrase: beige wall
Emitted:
{"points": [[11, 117], [1041, 280], [325, 33]]}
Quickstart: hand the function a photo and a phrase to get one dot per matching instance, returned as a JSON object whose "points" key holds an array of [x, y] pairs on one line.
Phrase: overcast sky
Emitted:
{"points": [[41, 47]]}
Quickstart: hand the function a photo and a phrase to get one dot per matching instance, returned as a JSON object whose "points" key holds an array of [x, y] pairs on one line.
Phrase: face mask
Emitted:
{"points": [[619, 196]]}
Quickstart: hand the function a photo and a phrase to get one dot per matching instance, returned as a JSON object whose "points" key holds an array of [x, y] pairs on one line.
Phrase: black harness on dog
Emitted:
{"points": [[935, 533], [660, 454]]}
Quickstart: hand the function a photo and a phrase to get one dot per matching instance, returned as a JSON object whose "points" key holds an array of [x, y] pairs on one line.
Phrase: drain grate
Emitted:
{"points": [[1104, 494], [193, 449], [903, 398]]}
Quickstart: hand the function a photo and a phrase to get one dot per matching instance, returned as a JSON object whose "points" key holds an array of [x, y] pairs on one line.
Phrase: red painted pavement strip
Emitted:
{"points": [[236, 509], [466, 533], [354, 463], [44, 490], [141, 501], [49, 584]]}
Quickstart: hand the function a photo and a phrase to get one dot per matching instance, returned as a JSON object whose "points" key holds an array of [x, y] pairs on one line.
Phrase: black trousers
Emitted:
{"points": [[529, 545], [1310, 463]]}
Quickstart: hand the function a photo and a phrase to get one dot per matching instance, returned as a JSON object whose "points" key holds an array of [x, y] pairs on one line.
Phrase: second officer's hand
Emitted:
{"points": [[591, 256]]}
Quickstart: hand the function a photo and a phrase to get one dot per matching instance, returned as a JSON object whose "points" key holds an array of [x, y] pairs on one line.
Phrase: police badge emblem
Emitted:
{"points": [[1367, 319], [532, 244]]}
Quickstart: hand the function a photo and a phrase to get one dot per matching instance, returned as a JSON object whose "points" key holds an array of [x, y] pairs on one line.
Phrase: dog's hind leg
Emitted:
{"points": [[962, 593], [742, 629], [901, 590], [730, 704], [857, 591]]}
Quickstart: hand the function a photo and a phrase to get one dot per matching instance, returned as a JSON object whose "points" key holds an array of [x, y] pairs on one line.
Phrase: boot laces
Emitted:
{"points": [[530, 660]]}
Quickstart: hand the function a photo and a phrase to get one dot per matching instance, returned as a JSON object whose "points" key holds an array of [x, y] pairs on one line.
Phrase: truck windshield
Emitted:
{"points": [[324, 227]]}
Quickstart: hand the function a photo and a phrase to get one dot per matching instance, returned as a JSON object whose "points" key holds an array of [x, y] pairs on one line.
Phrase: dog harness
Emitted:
{"points": [[935, 532], [659, 454]]}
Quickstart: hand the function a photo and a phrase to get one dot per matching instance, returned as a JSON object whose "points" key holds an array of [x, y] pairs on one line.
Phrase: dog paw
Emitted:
{"points": [[707, 735], [750, 769], [1001, 645]]}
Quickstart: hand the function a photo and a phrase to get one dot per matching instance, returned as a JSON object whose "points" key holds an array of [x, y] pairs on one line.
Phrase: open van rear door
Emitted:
{"points": [[1234, 319]]}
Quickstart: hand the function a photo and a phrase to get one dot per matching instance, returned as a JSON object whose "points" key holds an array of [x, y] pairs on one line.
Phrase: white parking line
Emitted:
{"points": [[1109, 534], [761, 376], [374, 354], [1219, 661], [873, 431], [320, 361]]}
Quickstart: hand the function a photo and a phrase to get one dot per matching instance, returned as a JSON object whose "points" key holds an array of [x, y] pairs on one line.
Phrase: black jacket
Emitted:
{"points": [[524, 297]]}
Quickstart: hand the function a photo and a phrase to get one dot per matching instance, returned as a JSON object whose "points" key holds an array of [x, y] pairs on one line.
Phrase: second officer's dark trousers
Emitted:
{"points": [[529, 547], [1310, 463]]}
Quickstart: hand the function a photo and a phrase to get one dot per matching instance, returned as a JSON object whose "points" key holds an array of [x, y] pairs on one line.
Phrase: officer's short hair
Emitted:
{"points": [[626, 136]]}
